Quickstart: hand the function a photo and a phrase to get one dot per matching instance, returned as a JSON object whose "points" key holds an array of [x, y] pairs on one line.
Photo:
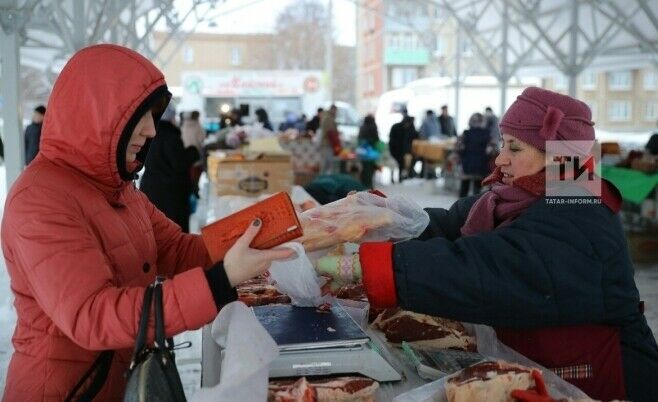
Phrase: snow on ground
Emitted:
{"points": [[425, 193]]}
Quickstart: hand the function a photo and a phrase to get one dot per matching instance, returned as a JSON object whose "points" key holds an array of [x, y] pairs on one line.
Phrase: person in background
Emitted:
{"points": [[301, 123], [314, 124], [330, 140], [554, 278], [166, 180], [236, 118], [447, 123], [491, 124], [428, 129], [652, 144], [491, 121], [33, 134], [263, 118], [400, 138], [472, 148], [368, 137], [289, 121], [81, 243], [430, 126], [193, 133]]}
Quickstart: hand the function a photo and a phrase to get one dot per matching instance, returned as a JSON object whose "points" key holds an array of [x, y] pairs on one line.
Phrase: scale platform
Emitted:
{"points": [[313, 343]]}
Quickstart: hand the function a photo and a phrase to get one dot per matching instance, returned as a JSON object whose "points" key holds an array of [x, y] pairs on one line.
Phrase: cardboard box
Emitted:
{"points": [[252, 176]]}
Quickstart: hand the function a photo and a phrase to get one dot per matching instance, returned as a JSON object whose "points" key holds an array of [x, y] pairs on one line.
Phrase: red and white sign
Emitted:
{"points": [[266, 83]]}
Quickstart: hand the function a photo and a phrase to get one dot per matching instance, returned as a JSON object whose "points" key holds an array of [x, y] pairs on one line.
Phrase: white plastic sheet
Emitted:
{"points": [[489, 346], [248, 352]]}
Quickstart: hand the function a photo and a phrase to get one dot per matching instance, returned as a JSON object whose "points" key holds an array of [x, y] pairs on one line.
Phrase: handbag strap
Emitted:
{"points": [[98, 372], [159, 317], [140, 342], [152, 296]]}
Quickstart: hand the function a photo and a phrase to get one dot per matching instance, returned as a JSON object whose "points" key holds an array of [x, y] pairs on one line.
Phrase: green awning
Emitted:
{"points": [[406, 57], [634, 185]]}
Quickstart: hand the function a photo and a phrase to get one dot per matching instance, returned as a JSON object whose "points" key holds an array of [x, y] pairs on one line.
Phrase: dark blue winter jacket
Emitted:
{"points": [[554, 265], [474, 158]]}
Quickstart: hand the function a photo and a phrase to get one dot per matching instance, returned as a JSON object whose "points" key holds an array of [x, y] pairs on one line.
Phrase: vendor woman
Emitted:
{"points": [[555, 280]]}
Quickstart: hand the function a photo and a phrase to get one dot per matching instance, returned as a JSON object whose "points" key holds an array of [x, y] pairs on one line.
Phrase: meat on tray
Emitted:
{"points": [[345, 389], [352, 292], [257, 292], [491, 381], [422, 330]]}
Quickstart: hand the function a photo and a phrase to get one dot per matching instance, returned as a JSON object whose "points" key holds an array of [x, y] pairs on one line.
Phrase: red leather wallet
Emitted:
{"points": [[279, 225]]}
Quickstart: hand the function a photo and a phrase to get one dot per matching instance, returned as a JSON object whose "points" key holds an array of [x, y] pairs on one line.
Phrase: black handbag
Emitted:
{"points": [[152, 375]]}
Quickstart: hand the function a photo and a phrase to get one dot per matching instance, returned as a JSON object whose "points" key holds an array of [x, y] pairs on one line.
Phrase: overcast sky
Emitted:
{"points": [[259, 16]]}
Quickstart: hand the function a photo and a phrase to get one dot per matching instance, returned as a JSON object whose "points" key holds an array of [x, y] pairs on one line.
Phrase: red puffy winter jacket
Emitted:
{"points": [[81, 244]]}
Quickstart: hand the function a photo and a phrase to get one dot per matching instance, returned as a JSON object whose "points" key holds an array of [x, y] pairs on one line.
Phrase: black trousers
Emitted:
{"points": [[466, 184], [367, 172]]}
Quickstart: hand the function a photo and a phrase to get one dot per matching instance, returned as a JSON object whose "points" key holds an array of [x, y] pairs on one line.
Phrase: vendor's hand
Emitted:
{"points": [[242, 262], [343, 270], [539, 394]]}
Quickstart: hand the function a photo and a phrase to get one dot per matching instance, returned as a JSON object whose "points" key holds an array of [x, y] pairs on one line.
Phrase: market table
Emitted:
{"points": [[218, 207], [211, 366]]}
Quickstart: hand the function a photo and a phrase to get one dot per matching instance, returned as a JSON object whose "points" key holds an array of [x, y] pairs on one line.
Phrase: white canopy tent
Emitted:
{"points": [[511, 37]]}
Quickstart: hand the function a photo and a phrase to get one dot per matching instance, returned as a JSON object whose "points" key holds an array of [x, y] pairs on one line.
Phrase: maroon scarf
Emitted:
{"points": [[503, 203], [500, 205]]}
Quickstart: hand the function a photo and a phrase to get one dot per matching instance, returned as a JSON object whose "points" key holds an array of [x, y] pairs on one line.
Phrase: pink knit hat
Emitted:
{"points": [[539, 115]]}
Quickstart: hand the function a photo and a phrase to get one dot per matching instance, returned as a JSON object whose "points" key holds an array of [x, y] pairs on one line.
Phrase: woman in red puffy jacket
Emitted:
{"points": [[81, 242]]}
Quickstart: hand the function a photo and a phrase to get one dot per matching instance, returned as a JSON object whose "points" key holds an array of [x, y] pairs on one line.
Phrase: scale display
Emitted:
{"points": [[306, 327]]}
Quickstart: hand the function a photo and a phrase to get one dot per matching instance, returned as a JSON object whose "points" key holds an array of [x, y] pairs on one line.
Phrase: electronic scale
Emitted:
{"points": [[313, 342]]}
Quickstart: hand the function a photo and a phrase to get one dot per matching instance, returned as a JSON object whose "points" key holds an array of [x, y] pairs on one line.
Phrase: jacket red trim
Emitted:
{"points": [[377, 271]]}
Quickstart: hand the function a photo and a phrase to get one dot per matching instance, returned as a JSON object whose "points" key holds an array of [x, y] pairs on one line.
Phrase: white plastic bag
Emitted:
{"points": [[489, 346], [249, 350], [362, 217], [296, 278]]}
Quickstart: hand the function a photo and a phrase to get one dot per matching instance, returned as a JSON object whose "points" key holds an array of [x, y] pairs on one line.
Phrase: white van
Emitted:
{"points": [[476, 93]]}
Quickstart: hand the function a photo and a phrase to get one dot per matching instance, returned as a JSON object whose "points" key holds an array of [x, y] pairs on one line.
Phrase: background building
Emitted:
{"points": [[248, 53], [621, 100], [399, 41]]}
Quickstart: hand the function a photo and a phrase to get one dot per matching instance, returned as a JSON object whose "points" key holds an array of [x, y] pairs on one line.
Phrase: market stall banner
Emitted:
{"points": [[634, 185]]}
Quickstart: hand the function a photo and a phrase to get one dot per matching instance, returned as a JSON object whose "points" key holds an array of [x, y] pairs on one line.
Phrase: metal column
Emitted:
{"points": [[458, 73], [10, 91], [503, 78], [79, 25], [329, 52], [573, 49]]}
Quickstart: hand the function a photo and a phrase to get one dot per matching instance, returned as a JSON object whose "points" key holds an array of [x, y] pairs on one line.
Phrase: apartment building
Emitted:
{"points": [[621, 100], [399, 41]]}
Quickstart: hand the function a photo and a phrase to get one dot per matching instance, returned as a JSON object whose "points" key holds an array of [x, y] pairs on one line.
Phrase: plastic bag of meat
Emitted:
{"points": [[362, 217]]}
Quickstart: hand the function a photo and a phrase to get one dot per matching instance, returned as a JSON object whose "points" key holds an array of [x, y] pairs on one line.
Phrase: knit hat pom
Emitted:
{"points": [[552, 120]]}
